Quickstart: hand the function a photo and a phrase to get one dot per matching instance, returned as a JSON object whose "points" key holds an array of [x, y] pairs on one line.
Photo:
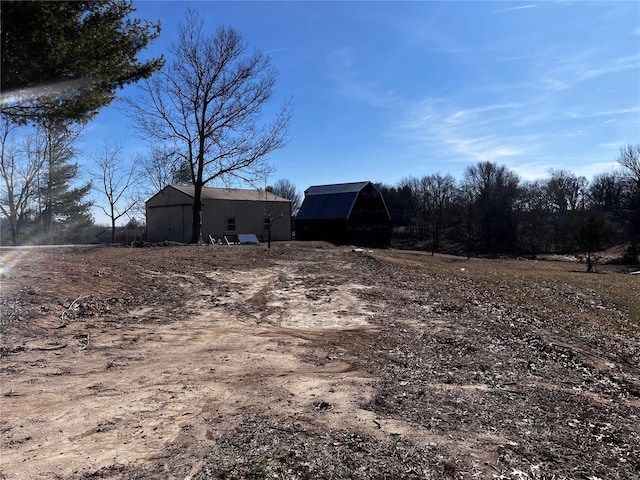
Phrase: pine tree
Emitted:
{"points": [[63, 208], [67, 59]]}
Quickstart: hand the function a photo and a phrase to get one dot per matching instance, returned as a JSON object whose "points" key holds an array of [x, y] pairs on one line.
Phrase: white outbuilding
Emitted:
{"points": [[226, 212]]}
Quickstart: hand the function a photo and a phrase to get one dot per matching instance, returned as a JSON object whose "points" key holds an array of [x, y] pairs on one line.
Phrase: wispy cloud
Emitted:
{"points": [[527, 136], [531, 170], [340, 59], [614, 65], [369, 95], [468, 134], [568, 70], [342, 70], [592, 169], [636, 32], [604, 113], [511, 9], [474, 112], [513, 58], [277, 50]]}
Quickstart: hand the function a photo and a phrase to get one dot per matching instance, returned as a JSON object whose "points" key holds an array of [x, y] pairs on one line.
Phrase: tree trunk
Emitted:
{"points": [[632, 251], [14, 230], [196, 226], [49, 206], [589, 259]]}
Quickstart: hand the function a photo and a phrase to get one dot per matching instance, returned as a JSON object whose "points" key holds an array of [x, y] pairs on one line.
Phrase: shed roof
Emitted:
{"points": [[329, 201], [213, 193]]}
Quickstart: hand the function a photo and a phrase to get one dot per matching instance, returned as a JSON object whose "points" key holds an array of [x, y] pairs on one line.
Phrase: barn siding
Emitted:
{"points": [[170, 214], [249, 217], [169, 196]]}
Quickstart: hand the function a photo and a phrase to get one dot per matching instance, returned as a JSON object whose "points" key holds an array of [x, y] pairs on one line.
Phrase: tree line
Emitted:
{"points": [[491, 211]]}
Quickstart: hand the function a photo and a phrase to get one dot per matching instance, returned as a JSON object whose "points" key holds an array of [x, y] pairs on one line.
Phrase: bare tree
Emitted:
{"points": [[591, 233], [272, 210], [208, 101], [441, 192], [19, 169], [286, 189], [566, 191], [629, 159], [432, 196], [493, 189], [116, 180], [158, 168], [533, 213]]}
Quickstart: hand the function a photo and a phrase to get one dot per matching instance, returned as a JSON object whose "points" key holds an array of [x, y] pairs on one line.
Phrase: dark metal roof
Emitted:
{"points": [[329, 201], [328, 206], [336, 188]]}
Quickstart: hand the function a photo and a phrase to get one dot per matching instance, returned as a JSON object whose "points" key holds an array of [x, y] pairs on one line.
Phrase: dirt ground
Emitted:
{"points": [[314, 361]]}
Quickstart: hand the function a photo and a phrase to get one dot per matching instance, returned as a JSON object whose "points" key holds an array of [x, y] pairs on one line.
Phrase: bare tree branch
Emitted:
{"points": [[20, 165], [629, 158], [117, 181]]}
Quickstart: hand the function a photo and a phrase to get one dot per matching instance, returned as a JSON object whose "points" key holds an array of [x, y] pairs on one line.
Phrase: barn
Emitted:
{"points": [[345, 213], [225, 212]]}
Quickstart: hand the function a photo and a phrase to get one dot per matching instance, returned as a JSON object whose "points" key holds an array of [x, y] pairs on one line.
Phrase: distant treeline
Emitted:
{"points": [[491, 211]]}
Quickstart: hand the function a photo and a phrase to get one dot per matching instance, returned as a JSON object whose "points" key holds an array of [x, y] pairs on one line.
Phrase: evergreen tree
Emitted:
{"points": [[63, 208], [66, 59]]}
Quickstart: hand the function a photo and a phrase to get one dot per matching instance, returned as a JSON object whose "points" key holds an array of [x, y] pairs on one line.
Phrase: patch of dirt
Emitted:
{"points": [[313, 361]]}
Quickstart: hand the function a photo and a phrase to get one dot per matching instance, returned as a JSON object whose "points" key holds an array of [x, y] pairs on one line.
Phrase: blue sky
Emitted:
{"points": [[385, 90]]}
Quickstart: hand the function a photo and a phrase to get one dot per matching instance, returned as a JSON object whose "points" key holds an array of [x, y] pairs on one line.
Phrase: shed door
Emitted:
{"points": [[169, 224]]}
